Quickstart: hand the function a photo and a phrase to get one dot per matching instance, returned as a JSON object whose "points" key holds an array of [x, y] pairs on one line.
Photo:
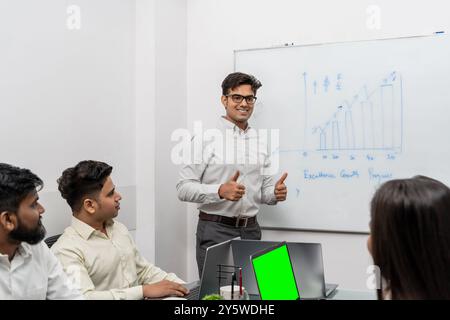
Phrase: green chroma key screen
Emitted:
{"points": [[274, 275]]}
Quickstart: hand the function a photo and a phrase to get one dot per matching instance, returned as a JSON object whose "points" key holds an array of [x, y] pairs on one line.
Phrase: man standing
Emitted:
{"points": [[230, 193], [28, 270]]}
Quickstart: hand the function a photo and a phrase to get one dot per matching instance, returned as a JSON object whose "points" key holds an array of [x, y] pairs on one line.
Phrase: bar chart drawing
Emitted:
{"points": [[372, 119]]}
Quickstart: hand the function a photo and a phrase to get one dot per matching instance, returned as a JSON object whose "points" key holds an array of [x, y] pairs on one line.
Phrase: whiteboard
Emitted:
{"points": [[350, 117]]}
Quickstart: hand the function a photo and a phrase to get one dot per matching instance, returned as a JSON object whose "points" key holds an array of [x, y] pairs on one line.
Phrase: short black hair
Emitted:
{"points": [[237, 79], [15, 185], [86, 179]]}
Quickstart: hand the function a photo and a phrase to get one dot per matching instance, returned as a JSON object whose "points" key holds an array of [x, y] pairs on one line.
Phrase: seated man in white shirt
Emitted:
{"points": [[99, 253], [28, 270]]}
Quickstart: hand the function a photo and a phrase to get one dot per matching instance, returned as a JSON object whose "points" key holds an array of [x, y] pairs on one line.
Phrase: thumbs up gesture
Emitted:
{"points": [[232, 190], [280, 188]]}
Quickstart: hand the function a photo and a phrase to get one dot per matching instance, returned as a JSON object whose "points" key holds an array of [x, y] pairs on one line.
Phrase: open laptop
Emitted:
{"points": [[307, 263], [209, 283], [274, 274]]}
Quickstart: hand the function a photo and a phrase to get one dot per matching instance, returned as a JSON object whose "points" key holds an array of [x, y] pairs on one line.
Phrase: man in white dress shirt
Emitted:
{"points": [[98, 252], [28, 270], [230, 183]]}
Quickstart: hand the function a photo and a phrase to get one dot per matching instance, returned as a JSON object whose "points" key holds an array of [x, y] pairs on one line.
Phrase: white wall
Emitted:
{"points": [[160, 79], [67, 95], [170, 114], [145, 86], [112, 90], [217, 27]]}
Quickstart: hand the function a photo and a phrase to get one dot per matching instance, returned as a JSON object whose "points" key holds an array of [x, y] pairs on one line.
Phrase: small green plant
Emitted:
{"points": [[213, 297]]}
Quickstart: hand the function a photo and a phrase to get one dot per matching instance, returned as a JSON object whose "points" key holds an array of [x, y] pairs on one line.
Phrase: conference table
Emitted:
{"points": [[343, 294]]}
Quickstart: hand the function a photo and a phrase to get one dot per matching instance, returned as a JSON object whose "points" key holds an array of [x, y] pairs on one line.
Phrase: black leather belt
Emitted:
{"points": [[237, 222]]}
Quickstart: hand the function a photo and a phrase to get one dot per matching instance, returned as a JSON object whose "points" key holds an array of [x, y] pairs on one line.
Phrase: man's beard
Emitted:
{"points": [[23, 234]]}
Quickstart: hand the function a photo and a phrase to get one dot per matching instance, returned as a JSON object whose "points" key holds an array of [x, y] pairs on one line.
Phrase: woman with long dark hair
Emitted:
{"points": [[410, 238]]}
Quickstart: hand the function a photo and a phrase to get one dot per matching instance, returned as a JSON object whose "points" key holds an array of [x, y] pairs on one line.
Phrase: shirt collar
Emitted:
{"points": [[230, 125], [84, 229], [24, 250]]}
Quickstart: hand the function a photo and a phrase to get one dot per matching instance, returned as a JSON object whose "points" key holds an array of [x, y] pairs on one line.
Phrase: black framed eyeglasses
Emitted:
{"points": [[237, 98]]}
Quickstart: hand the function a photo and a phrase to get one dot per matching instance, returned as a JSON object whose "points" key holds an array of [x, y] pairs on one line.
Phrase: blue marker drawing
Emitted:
{"points": [[390, 156], [370, 120], [305, 83], [349, 174], [339, 83], [307, 175], [379, 177], [326, 84]]}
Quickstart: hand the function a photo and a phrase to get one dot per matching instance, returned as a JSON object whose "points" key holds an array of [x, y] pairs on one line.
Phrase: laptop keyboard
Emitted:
{"points": [[193, 294]]}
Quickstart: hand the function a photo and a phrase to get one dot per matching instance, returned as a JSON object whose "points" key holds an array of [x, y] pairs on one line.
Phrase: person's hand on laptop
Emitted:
{"points": [[164, 288]]}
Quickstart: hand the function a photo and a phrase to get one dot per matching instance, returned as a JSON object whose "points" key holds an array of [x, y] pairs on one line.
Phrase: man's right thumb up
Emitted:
{"points": [[235, 177]]}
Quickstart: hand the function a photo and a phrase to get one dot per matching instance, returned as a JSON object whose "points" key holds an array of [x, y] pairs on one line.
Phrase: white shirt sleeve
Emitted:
{"points": [[268, 186], [190, 187], [59, 285]]}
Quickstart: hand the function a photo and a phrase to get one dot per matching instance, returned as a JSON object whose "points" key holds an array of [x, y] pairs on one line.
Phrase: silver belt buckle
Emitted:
{"points": [[238, 219]]}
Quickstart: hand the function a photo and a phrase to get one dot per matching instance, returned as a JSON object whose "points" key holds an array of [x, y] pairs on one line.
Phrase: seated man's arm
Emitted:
{"points": [[59, 286], [73, 263], [156, 282]]}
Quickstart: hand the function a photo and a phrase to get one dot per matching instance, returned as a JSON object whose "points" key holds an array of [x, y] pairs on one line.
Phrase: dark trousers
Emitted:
{"points": [[210, 233]]}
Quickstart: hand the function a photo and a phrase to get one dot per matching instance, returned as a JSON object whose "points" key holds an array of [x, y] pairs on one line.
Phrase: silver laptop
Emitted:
{"points": [[219, 254], [306, 260]]}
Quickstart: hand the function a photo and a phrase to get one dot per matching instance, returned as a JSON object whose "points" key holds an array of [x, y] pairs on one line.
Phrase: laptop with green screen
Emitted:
{"points": [[274, 274]]}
